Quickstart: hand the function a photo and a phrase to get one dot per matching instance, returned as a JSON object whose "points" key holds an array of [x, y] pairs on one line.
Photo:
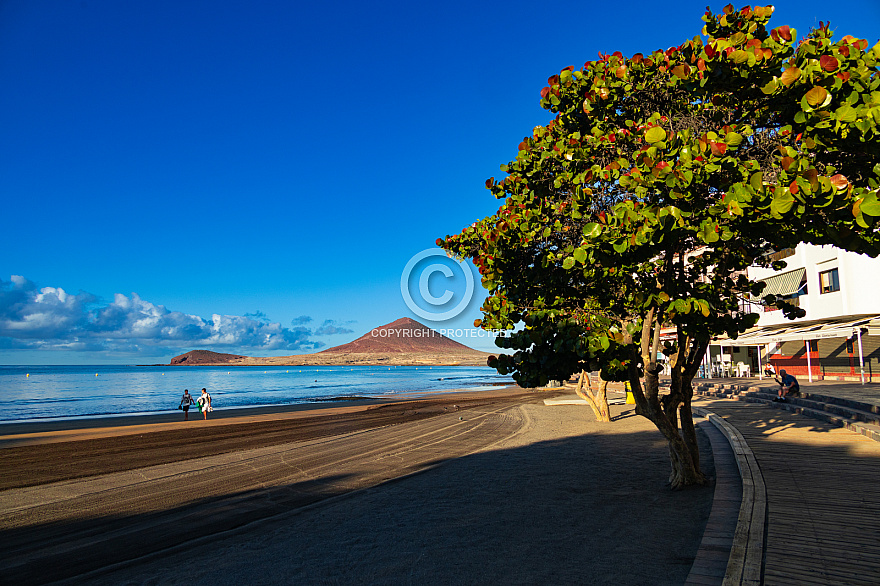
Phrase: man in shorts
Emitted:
{"points": [[185, 403], [788, 385]]}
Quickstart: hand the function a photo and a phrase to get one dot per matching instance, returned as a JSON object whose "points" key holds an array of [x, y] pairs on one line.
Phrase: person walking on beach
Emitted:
{"points": [[185, 402], [205, 403]]}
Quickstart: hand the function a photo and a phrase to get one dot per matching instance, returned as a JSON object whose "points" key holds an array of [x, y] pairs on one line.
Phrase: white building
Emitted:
{"points": [[838, 338]]}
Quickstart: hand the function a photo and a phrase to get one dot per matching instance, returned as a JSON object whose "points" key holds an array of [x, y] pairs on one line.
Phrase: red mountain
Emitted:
{"points": [[403, 335], [205, 357], [402, 342]]}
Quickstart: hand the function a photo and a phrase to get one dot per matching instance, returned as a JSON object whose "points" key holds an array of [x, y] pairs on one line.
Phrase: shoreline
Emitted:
{"points": [[27, 433]]}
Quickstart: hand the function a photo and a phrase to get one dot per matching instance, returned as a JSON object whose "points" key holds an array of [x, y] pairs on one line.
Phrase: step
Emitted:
{"points": [[869, 430], [810, 401], [856, 405]]}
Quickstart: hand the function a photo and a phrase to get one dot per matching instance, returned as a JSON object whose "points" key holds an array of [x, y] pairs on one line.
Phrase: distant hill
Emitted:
{"points": [[402, 342], [402, 335], [205, 357]]}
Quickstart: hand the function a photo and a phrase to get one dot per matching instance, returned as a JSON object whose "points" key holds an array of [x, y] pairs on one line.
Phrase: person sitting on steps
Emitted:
{"points": [[788, 385]]}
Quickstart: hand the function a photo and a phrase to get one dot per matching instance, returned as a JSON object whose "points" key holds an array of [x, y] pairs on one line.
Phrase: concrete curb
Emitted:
{"points": [[745, 566]]}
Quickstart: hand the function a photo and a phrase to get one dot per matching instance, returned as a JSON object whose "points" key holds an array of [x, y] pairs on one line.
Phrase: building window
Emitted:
{"points": [[828, 281]]}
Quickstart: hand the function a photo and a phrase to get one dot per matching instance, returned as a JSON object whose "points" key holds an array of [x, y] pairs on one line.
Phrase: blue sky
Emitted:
{"points": [[275, 164]]}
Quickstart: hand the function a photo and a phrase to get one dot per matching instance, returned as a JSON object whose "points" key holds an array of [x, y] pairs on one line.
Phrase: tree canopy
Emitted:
{"points": [[659, 180]]}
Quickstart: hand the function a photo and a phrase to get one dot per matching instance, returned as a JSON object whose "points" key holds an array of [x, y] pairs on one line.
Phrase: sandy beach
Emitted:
{"points": [[471, 488]]}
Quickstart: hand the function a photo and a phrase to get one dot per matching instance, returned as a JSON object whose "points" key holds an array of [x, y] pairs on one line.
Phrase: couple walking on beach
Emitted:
{"points": [[204, 403]]}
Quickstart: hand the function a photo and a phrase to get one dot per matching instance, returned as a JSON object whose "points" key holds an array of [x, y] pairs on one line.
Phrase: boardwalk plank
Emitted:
{"points": [[823, 501]]}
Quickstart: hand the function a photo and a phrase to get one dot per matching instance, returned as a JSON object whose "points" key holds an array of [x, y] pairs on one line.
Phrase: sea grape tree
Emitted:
{"points": [[659, 180]]}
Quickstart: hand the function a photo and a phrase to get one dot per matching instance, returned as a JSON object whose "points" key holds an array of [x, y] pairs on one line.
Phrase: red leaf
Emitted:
{"points": [[787, 162], [439, 242], [523, 145], [545, 92], [839, 181], [844, 75], [490, 182], [637, 58], [790, 75], [828, 63], [718, 148], [784, 32], [701, 64], [844, 50], [710, 51], [570, 68], [793, 188], [553, 80]]}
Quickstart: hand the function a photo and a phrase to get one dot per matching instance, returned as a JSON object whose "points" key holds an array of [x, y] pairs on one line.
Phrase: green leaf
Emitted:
{"points": [[870, 205], [845, 113], [782, 201], [757, 181], [771, 86], [816, 96], [592, 230], [733, 138], [568, 263], [707, 232], [739, 56], [580, 255], [655, 134]]}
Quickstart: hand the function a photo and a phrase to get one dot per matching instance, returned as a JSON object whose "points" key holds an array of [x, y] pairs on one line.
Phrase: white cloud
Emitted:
{"points": [[51, 318]]}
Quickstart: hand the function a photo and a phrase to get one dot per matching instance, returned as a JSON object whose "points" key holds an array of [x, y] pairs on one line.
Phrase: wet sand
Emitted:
{"points": [[489, 487]]}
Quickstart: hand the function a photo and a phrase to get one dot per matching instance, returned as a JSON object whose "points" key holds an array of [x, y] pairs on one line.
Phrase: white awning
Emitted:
{"points": [[814, 331]]}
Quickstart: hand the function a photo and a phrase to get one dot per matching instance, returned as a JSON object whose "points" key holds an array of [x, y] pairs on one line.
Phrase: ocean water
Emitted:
{"points": [[47, 392]]}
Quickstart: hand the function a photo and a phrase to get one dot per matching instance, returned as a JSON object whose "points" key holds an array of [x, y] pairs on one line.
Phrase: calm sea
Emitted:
{"points": [[37, 392]]}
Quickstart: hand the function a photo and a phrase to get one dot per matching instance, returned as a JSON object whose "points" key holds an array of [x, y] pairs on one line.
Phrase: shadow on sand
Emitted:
{"points": [[586, 509]]}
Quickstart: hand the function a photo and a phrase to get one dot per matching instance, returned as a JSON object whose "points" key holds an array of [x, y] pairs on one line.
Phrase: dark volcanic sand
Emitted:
{"points": [[526, 493]]}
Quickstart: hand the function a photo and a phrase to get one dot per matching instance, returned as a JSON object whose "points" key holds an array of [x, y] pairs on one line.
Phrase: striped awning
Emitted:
{"points": [[784, 284]]}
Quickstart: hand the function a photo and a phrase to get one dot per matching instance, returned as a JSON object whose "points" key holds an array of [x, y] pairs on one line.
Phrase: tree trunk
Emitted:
{"points": [[602, 399], [688, 431], [685, 463], [599, 402], [663, 411], [683, 449]]}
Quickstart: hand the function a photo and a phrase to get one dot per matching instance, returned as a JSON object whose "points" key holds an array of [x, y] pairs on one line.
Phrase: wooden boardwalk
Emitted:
{"points": [[823, 495]]}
